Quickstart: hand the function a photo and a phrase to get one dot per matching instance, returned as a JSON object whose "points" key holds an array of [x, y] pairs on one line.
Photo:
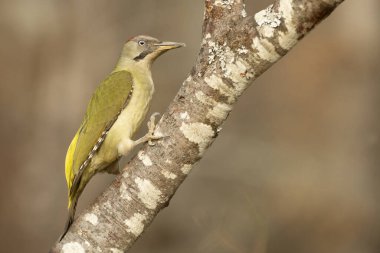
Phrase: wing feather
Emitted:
{"points": [[110, 97]]}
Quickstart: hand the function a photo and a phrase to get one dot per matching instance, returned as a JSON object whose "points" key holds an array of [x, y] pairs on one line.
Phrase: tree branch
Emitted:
{"points": [[236, 49]]}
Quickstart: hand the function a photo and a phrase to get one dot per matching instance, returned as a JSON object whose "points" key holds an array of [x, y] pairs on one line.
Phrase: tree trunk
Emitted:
{"points": [[236, 49]]}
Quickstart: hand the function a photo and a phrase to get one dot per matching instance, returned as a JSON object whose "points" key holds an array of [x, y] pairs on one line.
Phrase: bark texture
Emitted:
{"points": [[236, 49]]}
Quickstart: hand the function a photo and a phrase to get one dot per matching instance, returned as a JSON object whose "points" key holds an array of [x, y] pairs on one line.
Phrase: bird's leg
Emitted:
{"points": [[150, 137], [126, 145]]}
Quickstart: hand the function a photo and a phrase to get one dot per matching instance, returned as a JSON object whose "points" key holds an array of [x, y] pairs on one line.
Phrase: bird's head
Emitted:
{"points": [[146, 49]]}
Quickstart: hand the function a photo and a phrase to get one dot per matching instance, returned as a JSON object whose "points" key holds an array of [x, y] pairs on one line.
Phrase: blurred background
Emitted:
{"points": [[295, 169]]}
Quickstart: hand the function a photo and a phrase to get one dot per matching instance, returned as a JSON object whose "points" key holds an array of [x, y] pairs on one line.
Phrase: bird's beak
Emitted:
{"points": [[167, 45]]}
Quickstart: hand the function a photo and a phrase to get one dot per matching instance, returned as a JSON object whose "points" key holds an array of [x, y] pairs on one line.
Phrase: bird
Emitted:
{"points": [[115, 112]]}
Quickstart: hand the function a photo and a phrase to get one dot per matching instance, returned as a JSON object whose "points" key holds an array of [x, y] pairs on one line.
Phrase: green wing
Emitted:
{"points": [[109, 99]]}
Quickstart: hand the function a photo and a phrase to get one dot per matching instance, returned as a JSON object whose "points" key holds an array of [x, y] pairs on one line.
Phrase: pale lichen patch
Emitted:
{"points": [[242, 50], [107, 205], [204, 99], [267, 20], [220, 51], [287, 39], [72, 247], [229, 64], [124, 194], [144, 158], [114, 250], [198, 133], [184, 116], [168, 174], [188, 79], [186, 168], [240, 73], [212, 51], [265, 50], [135, 223], [225, 3], [226, 58], [233, 67], [149, 194], [205, 38], [218, 111], [91, 218], [244, 13], [218, 84]]}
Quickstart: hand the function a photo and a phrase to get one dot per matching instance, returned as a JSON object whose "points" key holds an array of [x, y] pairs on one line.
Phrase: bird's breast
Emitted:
{"points": [[132, 115], [130, 118]]}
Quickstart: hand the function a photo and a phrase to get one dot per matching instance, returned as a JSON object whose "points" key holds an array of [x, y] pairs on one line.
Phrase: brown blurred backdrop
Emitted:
{"points": [[295, 168]]}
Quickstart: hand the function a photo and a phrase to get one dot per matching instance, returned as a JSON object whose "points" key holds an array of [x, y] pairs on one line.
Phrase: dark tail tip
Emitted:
{"points": [[69, 221], [67, 226]]}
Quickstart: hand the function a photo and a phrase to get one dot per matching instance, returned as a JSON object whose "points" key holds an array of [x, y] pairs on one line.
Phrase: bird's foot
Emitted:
{"points": [[150, 137], [151, 126]]}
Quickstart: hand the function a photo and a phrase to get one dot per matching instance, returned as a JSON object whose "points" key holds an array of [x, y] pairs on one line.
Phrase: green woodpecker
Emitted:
{"points": [[114, 113]]}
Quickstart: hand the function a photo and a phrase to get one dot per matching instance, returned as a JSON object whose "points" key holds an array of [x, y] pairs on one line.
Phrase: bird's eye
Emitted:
{"points": [[141, 42]]}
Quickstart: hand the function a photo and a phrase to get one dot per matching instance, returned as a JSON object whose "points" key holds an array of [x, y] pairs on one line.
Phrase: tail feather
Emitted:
{"points": [[75, 190], [70, 218]]}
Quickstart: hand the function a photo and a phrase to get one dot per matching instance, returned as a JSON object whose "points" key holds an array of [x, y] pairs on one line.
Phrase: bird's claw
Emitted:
{"points": [[153, 138], [152, 122], [151, 126]]}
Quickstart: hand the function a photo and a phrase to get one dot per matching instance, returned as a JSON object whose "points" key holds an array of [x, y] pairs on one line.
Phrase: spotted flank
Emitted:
{"points": [[93, 151]]}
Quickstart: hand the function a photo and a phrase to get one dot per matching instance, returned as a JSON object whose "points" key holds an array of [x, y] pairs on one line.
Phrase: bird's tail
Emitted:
{"points": [[70, 219]]}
